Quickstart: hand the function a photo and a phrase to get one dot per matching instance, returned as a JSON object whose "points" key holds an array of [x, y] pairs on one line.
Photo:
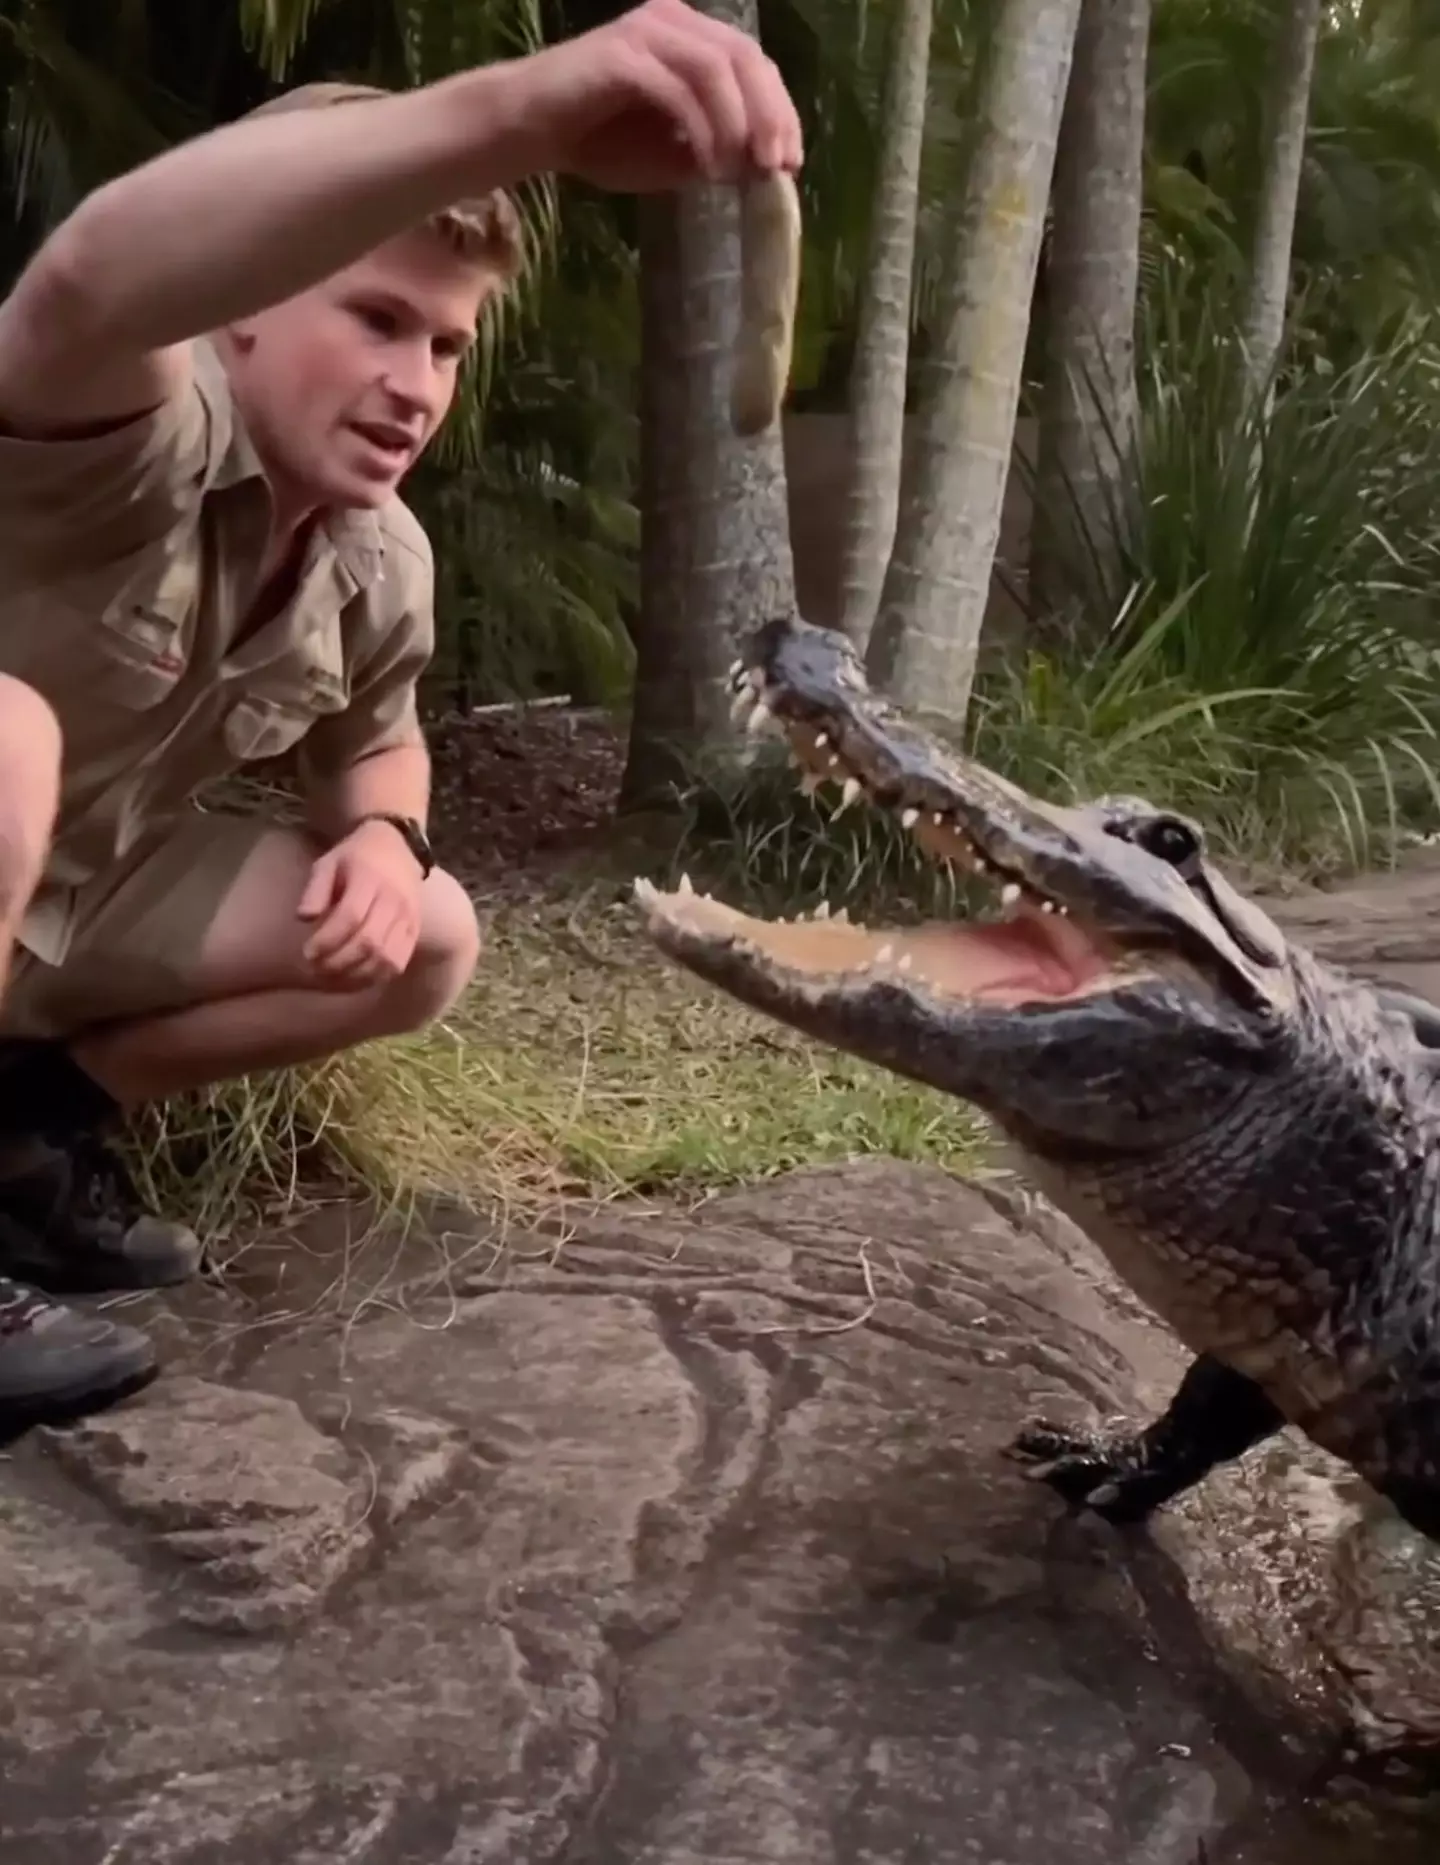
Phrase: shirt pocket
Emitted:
{"points": [[265, 725], [145, 637], [140, 663], [268, 720]]}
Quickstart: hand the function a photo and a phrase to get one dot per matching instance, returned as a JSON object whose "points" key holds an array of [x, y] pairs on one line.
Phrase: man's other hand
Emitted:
{"points": [[364, 897]]}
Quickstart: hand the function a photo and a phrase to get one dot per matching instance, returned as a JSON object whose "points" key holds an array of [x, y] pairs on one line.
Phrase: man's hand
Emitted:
{"points": [[659, 98], [29, 799], [364, 895]]}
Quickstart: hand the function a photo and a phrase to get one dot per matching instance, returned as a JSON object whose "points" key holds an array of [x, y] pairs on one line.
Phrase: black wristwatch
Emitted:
{"points": [[413, 835]]}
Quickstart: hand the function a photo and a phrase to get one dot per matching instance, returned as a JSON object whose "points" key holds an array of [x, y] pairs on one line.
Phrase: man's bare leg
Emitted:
{"points": [[29, 797], [55, 1364], [71, 1220], [261, 1006]]}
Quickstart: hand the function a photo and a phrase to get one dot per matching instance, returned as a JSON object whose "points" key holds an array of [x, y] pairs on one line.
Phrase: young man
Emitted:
{"points": [[213, 378]]}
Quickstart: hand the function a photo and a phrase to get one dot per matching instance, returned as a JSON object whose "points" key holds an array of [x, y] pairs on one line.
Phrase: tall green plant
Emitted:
{"points": [[1366, 245], [1277, 593]]}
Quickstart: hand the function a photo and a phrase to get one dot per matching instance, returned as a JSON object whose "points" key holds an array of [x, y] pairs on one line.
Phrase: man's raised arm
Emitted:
{"points": [[222, 227], [241, 219]]}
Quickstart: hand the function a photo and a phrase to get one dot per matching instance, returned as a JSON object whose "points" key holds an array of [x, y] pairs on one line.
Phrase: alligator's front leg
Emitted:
{"points": [[1215, 1416]]}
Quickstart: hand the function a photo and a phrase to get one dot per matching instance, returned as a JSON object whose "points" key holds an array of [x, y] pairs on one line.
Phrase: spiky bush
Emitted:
{"points": [[1256, 610]]}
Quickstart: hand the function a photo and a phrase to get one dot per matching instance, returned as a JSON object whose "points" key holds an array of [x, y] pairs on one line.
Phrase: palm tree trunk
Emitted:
{"points": [[1087, 410], [924, 644], [1288, 117], [715, 529], [882, 350]]}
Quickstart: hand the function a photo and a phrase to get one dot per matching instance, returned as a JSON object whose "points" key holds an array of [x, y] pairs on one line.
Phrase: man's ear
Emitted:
{"points": [[241, 337]]}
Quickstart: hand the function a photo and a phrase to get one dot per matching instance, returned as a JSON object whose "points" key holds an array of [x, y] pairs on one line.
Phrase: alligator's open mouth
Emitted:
{"points": [[1030, 951], [1040, 945]]}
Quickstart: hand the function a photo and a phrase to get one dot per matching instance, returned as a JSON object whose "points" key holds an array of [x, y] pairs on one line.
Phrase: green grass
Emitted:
{"points": [[581, 1066]]}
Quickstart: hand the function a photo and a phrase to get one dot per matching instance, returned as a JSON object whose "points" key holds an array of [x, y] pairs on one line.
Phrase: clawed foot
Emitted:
{"points": [[1104, 1474]]}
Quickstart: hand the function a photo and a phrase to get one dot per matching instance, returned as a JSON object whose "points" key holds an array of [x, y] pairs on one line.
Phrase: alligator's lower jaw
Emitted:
{"points": [[1022, 959]]}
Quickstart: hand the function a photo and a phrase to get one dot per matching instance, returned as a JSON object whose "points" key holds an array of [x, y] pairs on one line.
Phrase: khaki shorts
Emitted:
{"points": [[139, 930]]}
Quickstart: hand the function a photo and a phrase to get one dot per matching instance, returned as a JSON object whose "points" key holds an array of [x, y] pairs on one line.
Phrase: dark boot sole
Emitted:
{"points": [[23, 1412]]}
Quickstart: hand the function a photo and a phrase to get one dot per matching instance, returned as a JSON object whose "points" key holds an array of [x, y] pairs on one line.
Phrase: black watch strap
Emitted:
{"points": [[412, 834]]}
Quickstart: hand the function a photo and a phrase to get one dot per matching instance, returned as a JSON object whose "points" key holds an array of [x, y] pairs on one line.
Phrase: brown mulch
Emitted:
{"points": [[518, 787], [515, 791], [512, 784]]}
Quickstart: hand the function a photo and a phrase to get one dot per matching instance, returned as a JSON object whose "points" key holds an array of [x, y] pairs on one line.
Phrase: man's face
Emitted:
{"points": [[342, 387]]}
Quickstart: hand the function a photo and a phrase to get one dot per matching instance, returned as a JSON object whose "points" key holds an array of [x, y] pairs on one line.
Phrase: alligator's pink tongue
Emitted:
{"points": [[1000, 958], [976, 961]]}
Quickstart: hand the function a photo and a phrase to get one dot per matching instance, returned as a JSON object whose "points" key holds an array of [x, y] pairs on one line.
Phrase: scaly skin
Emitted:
{"points": [[1250, 1136]]}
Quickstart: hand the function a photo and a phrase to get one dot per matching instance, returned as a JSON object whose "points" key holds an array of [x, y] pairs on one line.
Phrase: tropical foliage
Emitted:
{"points": [[1289, 558]]}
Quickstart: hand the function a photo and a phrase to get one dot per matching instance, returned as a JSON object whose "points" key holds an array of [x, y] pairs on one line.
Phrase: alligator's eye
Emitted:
{"points": [[1169, 839]]}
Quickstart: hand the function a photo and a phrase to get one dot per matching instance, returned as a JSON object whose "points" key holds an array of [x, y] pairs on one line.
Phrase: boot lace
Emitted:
{"points": [[21, 1308]]}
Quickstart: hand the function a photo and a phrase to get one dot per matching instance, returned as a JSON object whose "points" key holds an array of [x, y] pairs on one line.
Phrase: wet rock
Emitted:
{"points": [[691, 1541], [257, 1513]]}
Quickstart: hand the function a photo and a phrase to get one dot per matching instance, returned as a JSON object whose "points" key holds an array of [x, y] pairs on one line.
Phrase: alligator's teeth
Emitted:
{"points": [[834, 761], [822, 739], [850, 793], [645, 891], [1009, 893], [885, 954], [756, 678], [905, 962], [741, 704], [909, 818], [685, 886], [1047, 906], [809, 784], [841, 916], [760, 717], [822, 912], [735, 669]]}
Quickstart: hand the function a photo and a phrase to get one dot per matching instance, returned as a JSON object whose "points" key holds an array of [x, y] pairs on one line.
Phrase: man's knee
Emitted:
{"points": [[446, 954]]}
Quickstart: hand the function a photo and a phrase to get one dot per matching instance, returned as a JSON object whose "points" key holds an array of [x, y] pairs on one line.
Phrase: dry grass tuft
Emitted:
{"points": [[581, 1067]]}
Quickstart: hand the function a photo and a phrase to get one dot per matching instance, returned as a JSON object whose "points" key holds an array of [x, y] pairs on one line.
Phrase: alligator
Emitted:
{"points": [[1249, 1135]]}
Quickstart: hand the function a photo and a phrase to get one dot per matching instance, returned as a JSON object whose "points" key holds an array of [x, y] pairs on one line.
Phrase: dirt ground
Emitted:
{"points": [[520, 788]]}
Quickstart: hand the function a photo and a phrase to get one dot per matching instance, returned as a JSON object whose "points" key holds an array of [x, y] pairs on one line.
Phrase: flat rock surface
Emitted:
{"points": [[693, 1539]]}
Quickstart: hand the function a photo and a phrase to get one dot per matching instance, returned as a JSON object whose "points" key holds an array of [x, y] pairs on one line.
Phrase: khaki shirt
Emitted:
{"points": [[128, 565]]}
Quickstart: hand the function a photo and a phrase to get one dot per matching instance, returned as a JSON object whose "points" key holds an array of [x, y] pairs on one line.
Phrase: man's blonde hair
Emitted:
{"points": [[486, 230]]}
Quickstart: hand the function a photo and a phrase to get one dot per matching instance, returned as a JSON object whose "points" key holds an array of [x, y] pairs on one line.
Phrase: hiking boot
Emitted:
{"points": [[57, 1365], [72, 1222], [71, 1219]]}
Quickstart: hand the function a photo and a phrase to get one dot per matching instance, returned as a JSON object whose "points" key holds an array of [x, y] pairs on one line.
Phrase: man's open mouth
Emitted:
{"points": [[1032, 948], [393, 442]]}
